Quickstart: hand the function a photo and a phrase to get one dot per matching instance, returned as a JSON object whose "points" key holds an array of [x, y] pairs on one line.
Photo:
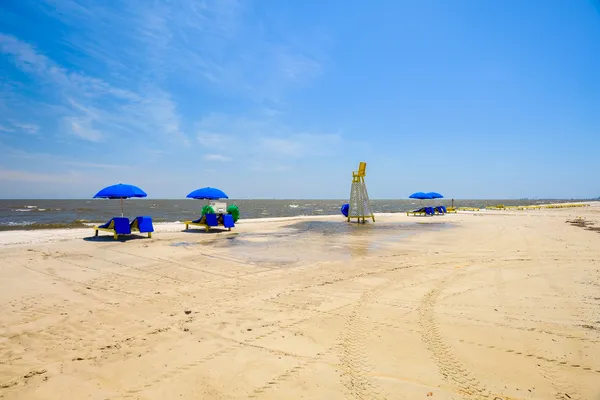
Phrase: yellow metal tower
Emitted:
{"points": [[360, 206]]}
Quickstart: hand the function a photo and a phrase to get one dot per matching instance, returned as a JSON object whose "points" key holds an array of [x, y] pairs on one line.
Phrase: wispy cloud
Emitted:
{"points": [[15, 154], [213, 141], [81, 127], [267, 136], [91, 107], [37, 177], [214, 44], [296, 66], [31, 129], [216, 157], [301, 145], [138, 75], [16, 126]]}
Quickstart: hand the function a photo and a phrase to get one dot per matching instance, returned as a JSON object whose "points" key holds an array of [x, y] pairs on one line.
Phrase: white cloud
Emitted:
{"points": [[301, 145], [296, 66], [31, 129], [27, 58], [82, 127], [87, 101], [264, 136], [282, 147], [34, 177], [28, 128], [216, 157], [213, 44], [93, 165], [211, 140], [162, 111], [13, 153], [153, 50]]}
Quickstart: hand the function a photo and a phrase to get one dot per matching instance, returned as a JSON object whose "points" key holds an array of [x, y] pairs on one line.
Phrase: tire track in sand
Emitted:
{"points": [[453, 371], [353, 357], [291, 373]]}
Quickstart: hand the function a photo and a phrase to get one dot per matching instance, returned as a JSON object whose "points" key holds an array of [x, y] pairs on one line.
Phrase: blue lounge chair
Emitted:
{"points": [[420, 211], [439, 210], [429, 211], [142, 225], [199, 222], [211, 220], [206, 221], [118, 226], [228, 221]]}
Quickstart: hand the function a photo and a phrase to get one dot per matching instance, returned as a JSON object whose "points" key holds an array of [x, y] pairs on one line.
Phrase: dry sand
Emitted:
{"points": [[482, 305]]}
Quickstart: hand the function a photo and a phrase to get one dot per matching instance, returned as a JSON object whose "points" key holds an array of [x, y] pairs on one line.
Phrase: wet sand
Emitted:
{"points": [[480, 305]]}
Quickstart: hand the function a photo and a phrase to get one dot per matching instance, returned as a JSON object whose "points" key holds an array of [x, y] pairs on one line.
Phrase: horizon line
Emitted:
{"points": [[312, 199]]}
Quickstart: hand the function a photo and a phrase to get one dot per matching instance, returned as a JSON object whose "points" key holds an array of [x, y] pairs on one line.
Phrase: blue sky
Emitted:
{"points": [[282, 99]]}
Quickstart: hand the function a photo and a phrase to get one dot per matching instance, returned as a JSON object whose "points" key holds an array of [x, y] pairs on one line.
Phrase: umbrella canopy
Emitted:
{"points": [[120, 191], [207, 193], [420, 196], [435, 195]]}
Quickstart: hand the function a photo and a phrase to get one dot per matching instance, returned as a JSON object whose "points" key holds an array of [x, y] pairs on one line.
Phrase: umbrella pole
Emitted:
{"points": [[121, 206]]}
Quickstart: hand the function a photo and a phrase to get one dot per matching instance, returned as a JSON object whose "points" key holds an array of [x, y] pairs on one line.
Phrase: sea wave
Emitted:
{"points": [[30, 225], [35, 209], [16, 223]]}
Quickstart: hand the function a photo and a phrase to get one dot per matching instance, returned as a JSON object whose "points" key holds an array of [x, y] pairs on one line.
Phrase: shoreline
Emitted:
{"points": [[22, 237], [83, 224], [42, 236]]}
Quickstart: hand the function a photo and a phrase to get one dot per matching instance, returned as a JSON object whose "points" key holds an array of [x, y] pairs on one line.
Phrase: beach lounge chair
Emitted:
{"points": [[142, 225], [228, 221], [118, 226], [198, 222], [420, 211], [211, 220], [423, 211], [439, 210], [206, 221]]}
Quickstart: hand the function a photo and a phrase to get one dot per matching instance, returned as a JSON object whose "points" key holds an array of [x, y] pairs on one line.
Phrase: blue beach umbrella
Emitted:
{"points": [[435, 195], [120, 191], [207, 193], [420, 196]]}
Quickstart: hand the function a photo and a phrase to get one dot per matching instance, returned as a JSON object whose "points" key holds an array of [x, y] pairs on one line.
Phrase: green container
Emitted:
{"points": [[207, 210], [234, 211]]}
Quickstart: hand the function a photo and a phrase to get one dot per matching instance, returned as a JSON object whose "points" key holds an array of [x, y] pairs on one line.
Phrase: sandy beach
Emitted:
{"points": [[474, 305]]}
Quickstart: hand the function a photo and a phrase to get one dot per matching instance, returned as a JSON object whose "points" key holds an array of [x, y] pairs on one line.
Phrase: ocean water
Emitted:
{"points": [[43, 214]]}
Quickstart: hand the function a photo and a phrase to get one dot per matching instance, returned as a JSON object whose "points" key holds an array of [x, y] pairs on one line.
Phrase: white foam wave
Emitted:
{"points": [[14, 223]]}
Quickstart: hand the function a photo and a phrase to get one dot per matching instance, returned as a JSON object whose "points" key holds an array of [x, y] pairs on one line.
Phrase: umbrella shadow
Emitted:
{"points": [[110, 238], [204, 231]]}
